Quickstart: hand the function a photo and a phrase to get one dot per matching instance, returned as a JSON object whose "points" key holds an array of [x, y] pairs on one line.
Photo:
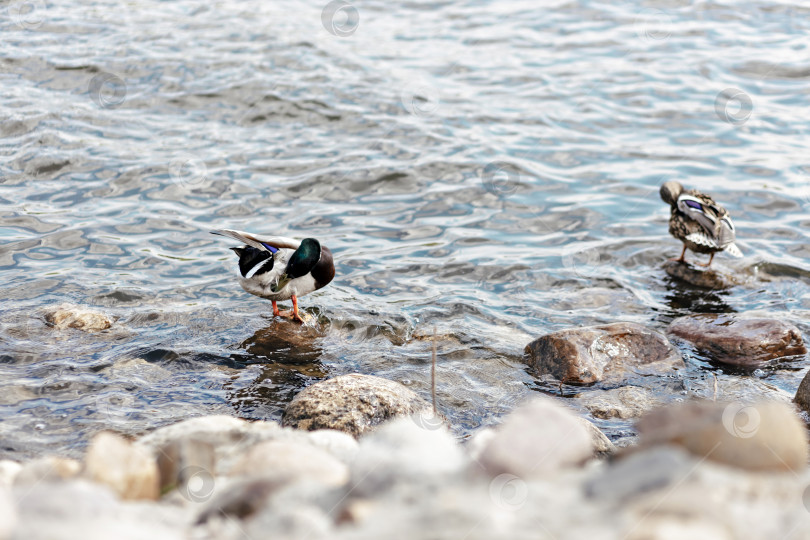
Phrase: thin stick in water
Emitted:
{"points": [[433, 374]]}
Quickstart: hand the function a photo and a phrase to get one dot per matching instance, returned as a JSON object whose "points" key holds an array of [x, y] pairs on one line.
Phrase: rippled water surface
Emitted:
{"points": [[486, 168]]}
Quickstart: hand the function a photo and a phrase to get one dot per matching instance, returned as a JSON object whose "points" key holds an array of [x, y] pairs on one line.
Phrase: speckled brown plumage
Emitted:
{"points": [[698, 221]]}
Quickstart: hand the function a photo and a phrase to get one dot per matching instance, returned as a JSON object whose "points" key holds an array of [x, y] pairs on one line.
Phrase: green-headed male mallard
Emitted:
{"points": [[279, 269], [700, 223]]}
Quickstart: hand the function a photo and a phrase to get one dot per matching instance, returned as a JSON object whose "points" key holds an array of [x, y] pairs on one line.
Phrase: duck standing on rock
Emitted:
{"points": [[700, 223], [279, 268]]}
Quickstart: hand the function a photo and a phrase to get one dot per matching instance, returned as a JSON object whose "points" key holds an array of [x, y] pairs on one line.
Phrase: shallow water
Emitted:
{"points": [[488, 168]]}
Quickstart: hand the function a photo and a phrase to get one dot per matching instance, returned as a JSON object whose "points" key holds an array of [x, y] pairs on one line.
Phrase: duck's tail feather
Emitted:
{"points": [[270, 243], [733, 250]]}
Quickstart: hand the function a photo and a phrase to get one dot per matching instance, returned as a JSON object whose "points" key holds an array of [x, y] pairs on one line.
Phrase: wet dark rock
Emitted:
{"points": [[352, 403], [706, 278], [802, 398], [763, 436], [182, 460], [746, 342], [596, 353]]}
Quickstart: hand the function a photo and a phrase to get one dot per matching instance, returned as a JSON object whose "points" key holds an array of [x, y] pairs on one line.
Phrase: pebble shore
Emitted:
{"points": [[362, 457]]}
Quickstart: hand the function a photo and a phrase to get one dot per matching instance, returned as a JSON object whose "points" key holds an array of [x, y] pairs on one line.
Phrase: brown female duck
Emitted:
{"points": [[700, 223]]}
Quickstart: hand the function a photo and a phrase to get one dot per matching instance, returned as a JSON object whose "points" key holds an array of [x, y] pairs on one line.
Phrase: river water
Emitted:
{"points": [[487, 168]]}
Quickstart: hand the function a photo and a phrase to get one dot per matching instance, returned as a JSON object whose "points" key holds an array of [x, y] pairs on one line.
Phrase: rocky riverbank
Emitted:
{"points": [[700, 470]]}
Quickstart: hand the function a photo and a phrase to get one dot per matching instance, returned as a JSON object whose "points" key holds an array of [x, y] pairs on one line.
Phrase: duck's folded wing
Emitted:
{"points": [[259, 241], [713, 219]]}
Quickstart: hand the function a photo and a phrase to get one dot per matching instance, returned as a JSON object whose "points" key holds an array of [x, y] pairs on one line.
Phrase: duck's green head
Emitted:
{"points": [[670, 191]]}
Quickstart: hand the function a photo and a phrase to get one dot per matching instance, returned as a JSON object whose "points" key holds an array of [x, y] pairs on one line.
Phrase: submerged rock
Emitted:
{"points": [[625, 402], [764, 436], [73, 316], [596, 353], [129, 470], [732, 340], [536, 439], [706, 278], [352, 403]]}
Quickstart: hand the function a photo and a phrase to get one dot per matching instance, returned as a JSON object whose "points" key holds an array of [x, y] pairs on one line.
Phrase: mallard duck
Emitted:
{"points": [[279, 269], [700, 223]]}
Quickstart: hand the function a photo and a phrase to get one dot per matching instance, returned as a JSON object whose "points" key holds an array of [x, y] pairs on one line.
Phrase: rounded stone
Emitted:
{"points": [[129, 470], [762, 436], [291, 461], [732, 340], [596, 353], [72, 316], [354, 404], [536, 439]]}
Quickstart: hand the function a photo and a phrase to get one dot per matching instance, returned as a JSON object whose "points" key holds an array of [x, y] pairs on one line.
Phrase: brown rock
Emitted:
{"points": [[72, 316], [764, 436], [595, 353], [129, 470], [706, 278], [352, 403], [802, 398], [745, 342]]}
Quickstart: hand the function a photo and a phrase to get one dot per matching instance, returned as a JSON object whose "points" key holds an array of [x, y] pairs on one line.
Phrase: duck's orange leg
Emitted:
{"points": [[681, 258], [708, 263], [295, 315], [276, 312]]}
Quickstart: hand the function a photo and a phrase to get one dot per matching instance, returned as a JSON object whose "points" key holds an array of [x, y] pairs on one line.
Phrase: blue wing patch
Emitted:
{"points": [[693, 204], [268, 246]]}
